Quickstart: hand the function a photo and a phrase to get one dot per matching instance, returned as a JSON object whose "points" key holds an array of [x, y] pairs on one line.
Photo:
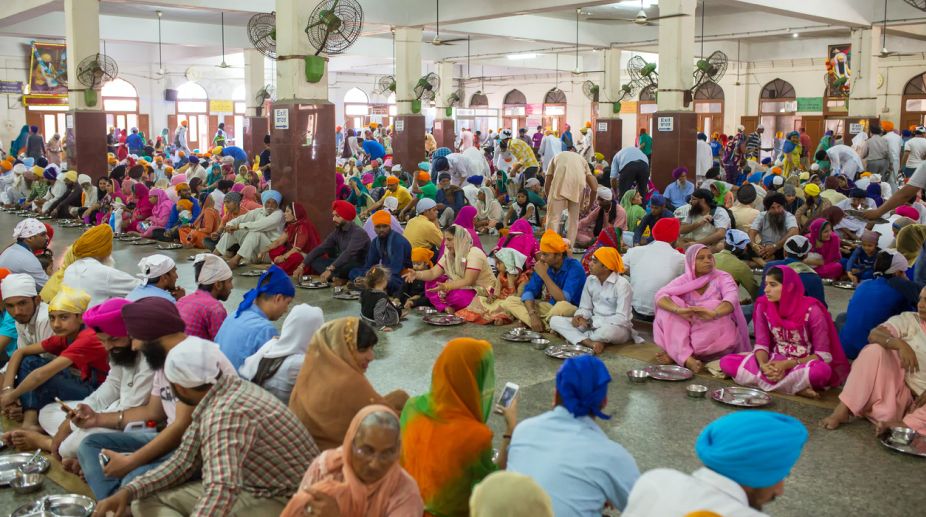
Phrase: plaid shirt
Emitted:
{"points": [[243, 439], [202, 314], [522, 153]]}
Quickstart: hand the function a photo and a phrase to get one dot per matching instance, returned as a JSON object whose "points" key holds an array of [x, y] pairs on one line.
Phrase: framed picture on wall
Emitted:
{"points": [[48, 71]]}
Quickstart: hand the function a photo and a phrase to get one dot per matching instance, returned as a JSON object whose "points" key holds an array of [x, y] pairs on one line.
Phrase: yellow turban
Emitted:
{"points": [[38, 171], [181, 186], [552, 242], [70, 300], [217, 150], [71, 176], [185, 204], [865, 174], [381, 217], [812, 189], [611, 259], [422, 255], [599, 156], [112, 161], [95, 242], [168, 169]]}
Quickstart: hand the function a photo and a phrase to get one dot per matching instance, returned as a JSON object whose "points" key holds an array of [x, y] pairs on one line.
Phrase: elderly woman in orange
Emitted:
{"points": [[362, 477], [331, 387], [446, 444]]}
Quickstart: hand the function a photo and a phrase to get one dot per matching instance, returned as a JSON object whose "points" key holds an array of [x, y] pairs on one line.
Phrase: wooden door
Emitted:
{"points": [[231, 133], [815, 126], [171, 128], [213, 127], [644, 121], [749, 122], [144, 124]]}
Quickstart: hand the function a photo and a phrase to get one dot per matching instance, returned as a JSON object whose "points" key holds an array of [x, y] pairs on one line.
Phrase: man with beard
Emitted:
{"points": [[127, 386], [202, 310], [343, 249], [702, 221], [773, 227], [156, 328], [160, 274], [390, 250]]}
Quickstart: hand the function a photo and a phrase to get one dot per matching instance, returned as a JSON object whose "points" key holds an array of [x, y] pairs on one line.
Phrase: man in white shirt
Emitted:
{"points": [[858, 200], [31, 236], [21, 299], [704, 159], [895, 144], [194, 170], [566, 452], [159, 273], [93, 272], [604, 314], [844, 160], [653, 266], [746, 455], [471, 189], [773, 227], [702, 221], [914, 152]]}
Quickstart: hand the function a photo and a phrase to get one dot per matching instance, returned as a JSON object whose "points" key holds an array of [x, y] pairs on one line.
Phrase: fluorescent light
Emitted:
{"points": [[646, 4], [520, 57], [794, 35]]}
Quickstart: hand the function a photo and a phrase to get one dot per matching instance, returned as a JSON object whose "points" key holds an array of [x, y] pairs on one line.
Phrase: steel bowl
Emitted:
{"points": [[902, 435], [540, 343], [638, 376], [427, 311], [26, 483], [696, 391]]}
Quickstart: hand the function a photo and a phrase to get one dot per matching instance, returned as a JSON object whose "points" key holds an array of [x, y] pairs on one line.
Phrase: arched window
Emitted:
{"points": [[708, 91], [554, 109], [356, 108], [648, 94], [645, 109], [913, 102], [515, 97], [120, 102], [356, 96], [555, 96], [916, 86], [193, 106], [478, 99], [777, 111], [778, 89], [708, 104]]}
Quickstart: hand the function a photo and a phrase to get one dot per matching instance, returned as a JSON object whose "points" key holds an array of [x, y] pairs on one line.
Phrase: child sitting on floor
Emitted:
{"points": [[375, 305], [861, 263], [413, 293]]}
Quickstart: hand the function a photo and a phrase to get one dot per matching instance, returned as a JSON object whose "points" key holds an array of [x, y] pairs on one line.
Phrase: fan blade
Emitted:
{"points": [[606, 19], [666, 17], [316, 24], [453, 40]]}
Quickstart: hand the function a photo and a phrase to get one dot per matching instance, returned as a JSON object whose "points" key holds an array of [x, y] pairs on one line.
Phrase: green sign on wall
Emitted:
{"points": [[809, 104]]}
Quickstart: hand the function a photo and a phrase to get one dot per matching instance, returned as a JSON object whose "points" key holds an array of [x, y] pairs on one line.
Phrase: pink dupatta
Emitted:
{"points": [[830, 249], [521, 238]]}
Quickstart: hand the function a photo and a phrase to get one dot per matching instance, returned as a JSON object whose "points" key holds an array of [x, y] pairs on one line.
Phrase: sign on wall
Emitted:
{"points": [[665, 124], [11, 87], [219, 106], [399, 126], [855, 128], [629, 107], [602, 127], [809, 104], [48, 70], [281, 118]]}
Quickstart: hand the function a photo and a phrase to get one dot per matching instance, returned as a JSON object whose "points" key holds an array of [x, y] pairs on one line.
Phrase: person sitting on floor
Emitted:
{"points": [[178, 219], [252, 325], [604, 213], [796, 250], [702, 221], [342, 251], [772, 228], [860, 265], [698, 315], [746, 455], [298, 238], [887, 384], [729, 260], [388, 249], [160, 274], [376, 308], [797, 348], [566, 451], [604, 314], [248, 448], [202, 310], [658, 211], [489, 213], [25, 306], [824, 257], [31, 236], [91, 269], [202, 226], [275, 366], [555, 272], [252, 232], [510, 494], [413, 294], [422, 230], [393, 190], [653, 266]]}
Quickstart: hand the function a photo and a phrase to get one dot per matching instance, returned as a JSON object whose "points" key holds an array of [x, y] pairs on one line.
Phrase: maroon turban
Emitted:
{"points": [[152, 318]]}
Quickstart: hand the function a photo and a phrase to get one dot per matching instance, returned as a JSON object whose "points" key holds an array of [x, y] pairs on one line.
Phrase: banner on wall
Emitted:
{"points": [[48, 69], [809, 104], [838, 69], [220, 106]]}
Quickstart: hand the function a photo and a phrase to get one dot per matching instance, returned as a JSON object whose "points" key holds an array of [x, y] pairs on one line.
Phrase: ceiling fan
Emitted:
{"points": [[884, 51], [640, 19], [437, 39], [223, 64]]}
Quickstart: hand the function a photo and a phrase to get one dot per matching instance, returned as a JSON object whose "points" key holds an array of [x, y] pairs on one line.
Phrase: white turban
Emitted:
{"points": [[19, 168], [605, 193], [83, 179], [214, 269], [391, 203], [28, 228], [18, 284], [532, 182], [155, 265], [194, 362]]}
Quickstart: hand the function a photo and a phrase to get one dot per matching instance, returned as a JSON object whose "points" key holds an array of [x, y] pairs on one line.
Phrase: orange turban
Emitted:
{"points": [[887, 125], [96, 242], [168, 169], [180, 186], [776, 170], [7, 165], [422, 255], [424, 176], [381, 217], [392, 180], [611, 258], [552, 242], [185, 204]]}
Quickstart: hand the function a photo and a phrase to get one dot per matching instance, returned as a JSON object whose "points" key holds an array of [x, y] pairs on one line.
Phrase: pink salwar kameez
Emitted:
{"points": [[793, 328], [706, 340], [829, 250], [878, 387]]}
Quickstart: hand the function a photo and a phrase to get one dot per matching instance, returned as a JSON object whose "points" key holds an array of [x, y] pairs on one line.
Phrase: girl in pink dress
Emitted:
{"points": [[698, 315], [825, 243], [797, 348]]}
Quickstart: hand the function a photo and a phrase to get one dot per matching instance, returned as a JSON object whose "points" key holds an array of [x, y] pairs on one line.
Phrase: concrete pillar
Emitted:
{"points": [[408, 138], [675, 126], [86, 125], [256, 125], [863, 97], [302, 121], [444, 124], [609, 127]]}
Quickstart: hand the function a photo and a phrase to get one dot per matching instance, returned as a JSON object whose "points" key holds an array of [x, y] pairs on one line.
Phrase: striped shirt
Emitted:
{"points": [[243, 440], [522, 153], [202, 314]]}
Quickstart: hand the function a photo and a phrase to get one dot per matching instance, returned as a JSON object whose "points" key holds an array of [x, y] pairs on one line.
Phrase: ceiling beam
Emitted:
{"points": [[16, 11], [849, 13]]}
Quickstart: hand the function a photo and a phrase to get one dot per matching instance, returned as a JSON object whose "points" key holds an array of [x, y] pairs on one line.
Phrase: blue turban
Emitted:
{"points": [[441, 152], [273, 281], [657, 199], [475, 180], [271, 194], [51, 174], [755, 448], [425, 166], [582, 384], [42, 162], [29, 162], [194, 160], [755, 177], [766, 161], [439, 164], [768, 180]]}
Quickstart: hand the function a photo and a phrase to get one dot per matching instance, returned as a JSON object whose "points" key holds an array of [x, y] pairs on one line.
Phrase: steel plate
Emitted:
{"points": [[252, 272], [10, 463], [741, 397], [568, 351], [65, 505], [443, 320], [669, 372], [916, 448], [169, 246]]}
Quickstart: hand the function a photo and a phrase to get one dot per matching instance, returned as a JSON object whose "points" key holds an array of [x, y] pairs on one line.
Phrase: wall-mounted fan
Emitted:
{"points": [[710, 69], [262, 32], [642, 74], [454, 99], [385, 85], [591, 90], [93, 72], [333, 27], [425, 90]]}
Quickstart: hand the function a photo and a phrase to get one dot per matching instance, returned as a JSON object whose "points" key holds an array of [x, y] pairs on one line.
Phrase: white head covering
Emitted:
{"points": [[155, 265], [391, 203], [532, 182], [194, 362], [18, 284], [860, 138], [513, 259], [214, 269], [898, 263], [298, 328], [605, 193], [28, 228], [83, 179], [425, 204]]}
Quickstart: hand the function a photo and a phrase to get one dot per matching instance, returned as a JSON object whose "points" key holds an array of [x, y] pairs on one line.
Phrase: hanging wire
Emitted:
{"points": [[703, 16], [160, 55], [223, 37]]}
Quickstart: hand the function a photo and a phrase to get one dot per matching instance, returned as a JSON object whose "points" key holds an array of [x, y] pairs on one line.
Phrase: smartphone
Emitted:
{"points": [[104, 460], [64, 407], [508, 395]]}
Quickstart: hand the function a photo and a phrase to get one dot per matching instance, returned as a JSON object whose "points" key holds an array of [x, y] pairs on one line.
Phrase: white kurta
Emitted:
{"points": [[704, 160], [550, 146], [256, 230], [607, 306], [37, 330], [663, 492], [100, 281], [844, 160]]}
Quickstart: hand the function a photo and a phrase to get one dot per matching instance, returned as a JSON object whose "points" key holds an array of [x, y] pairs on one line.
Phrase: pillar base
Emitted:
{"points": [[608, 133], [255, 129], [303, 158], [86, 148], [674, 147], [407, 142], [445, 133]]}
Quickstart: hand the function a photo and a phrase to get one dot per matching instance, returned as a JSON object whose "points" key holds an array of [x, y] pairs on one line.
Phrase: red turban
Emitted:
{"points": [[666, 229], [344, 210]]}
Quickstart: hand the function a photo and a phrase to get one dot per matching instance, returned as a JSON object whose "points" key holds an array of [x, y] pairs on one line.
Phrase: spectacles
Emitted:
{"points": [[367, 454]]}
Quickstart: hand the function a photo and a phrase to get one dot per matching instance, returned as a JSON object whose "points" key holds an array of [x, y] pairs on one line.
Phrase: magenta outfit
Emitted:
{"points": [[456, 299], [143, 207], [793, 328], [706, 340], [521, 238], [466, 218], [160, 214], [832, 267]]}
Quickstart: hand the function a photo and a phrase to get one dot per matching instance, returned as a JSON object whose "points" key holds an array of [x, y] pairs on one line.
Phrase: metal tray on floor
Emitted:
{"points": [[313, 284], [567, 351], [252, 272], [142, 242], [62, 505], [443, 320], [916, 448], [10, 463], [522, 335], [741, 397], [844, 285], [341, 293], [169, 246], [669, 372]]}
